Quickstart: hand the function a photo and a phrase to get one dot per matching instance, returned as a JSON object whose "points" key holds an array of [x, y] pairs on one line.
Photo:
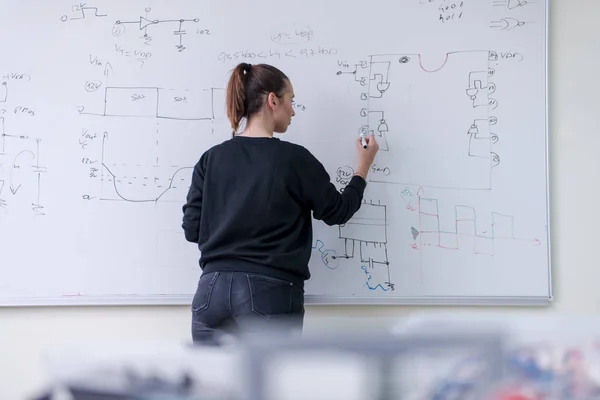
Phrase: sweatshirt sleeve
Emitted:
{"points": [[321, 195], [192, 209]]}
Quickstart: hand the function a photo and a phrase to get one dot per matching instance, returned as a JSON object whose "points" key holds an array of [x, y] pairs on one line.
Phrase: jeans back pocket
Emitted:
{"points": [[201, 299], [270, 296]]}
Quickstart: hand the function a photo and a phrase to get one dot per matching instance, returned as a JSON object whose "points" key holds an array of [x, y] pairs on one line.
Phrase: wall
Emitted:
{"points": [[575, 140]]}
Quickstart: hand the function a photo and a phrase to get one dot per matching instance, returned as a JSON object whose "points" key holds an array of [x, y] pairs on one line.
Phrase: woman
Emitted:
{"points": [[249, 209]]}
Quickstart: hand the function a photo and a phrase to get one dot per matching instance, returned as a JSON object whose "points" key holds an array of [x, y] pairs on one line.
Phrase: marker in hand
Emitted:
{"points": [[366, 154], [363, 141]]}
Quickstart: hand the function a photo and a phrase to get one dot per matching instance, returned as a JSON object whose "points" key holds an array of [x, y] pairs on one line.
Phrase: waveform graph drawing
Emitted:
{"points": [[365, 239], [464, 231], [152, 137], [149, 161], [187, 104], [425, 110], [138, 184], [131, 102], [162, 103]]}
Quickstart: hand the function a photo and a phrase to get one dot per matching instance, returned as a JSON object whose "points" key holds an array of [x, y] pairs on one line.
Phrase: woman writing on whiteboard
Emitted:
{"points": [[249, 209]]}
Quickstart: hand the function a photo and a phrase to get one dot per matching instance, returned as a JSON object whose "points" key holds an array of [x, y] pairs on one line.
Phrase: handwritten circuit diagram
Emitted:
{"points": [[21, 171], [512, 21], [400, 94], [144, 23], [396, 86], [364, 239]]}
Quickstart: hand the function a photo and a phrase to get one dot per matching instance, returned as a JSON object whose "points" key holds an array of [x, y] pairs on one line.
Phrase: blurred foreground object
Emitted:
{"points": [[425, 357]]}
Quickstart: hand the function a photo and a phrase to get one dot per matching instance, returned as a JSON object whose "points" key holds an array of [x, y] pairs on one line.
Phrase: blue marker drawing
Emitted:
{"points": [[328, 256], [415, 233], [378, 286], [365, 239]]}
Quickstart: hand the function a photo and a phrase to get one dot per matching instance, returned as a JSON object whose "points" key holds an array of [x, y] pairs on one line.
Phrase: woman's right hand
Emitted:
{"points": [[366, 156]]}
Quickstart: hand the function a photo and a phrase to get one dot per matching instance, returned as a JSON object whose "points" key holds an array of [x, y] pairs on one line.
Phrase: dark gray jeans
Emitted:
{"points": [[239, 303]]}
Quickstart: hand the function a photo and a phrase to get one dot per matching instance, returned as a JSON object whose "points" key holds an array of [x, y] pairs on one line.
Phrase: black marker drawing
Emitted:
{"points": [[154, 102], [379, 79], [19, 168], [478, 88], [380, 128], [143, 23], [481, 139], [82, 11], [507, 24], [365, 237], [150, 178], [3, 92], [2, 201], [403, 103], [140, 188], [511, 4]]}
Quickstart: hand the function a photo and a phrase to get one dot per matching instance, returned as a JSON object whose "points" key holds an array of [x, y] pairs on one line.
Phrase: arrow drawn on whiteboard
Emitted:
{"points": [[17, 166], [108, 67]]}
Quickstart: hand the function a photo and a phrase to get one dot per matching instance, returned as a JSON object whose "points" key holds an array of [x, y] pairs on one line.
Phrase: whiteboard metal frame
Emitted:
{"points": [[310, 300], [185, 300], [548, 168]]}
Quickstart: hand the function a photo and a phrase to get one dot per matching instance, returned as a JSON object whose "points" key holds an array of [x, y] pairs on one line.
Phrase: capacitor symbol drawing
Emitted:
{"points": [[143, 23]]}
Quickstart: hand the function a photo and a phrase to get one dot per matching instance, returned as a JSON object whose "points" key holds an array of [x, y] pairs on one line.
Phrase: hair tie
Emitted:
{"points": [[247, 67]]}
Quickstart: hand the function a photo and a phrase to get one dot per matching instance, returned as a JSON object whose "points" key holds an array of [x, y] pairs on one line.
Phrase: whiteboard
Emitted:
{"points": [[106, 106]]}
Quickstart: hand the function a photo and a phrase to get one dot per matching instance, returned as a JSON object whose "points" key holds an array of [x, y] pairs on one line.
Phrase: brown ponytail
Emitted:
{"points": [[248, 88]]}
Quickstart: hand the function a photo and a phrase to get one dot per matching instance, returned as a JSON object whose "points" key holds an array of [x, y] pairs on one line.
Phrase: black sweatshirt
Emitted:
{"points": [[250, 202]]}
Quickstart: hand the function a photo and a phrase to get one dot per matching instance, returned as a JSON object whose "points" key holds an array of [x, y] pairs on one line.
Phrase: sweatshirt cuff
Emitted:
{"points": [[358, 182]]}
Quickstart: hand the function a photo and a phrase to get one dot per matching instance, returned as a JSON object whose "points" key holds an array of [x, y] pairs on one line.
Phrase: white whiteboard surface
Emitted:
{"points": [[105, 107]]}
